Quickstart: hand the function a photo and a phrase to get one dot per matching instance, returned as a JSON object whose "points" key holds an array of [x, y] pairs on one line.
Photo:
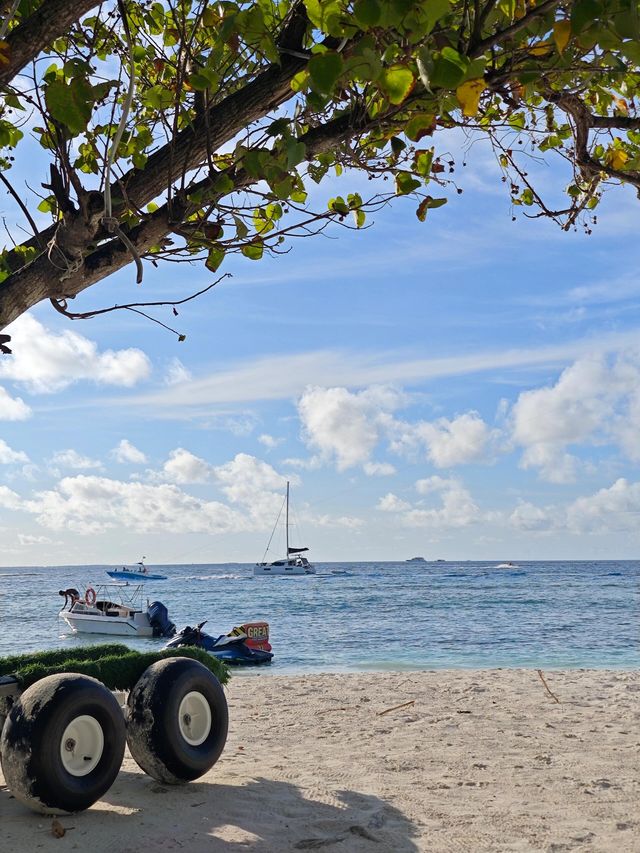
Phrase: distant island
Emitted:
{"points": [[416, 560]]}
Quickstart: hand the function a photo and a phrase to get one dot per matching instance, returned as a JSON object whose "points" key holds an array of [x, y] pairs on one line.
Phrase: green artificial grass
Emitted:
{"points": [[117, 666]]}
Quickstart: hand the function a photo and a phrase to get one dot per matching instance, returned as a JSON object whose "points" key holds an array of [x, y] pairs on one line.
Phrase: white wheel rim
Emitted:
{"points": [[82, 745], [194, 718]]}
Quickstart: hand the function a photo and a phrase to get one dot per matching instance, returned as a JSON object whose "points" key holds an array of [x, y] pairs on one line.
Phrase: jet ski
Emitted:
{"points": [[237, 648]]}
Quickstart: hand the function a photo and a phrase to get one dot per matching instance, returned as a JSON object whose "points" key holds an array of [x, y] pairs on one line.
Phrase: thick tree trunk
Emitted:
{"points": [[52, 20], [45, 279]]}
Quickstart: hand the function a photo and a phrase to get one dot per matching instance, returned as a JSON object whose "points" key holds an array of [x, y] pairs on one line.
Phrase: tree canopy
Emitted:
{"points": [[186, 129]]}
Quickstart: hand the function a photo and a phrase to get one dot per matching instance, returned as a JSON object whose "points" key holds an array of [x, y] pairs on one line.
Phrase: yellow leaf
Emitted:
{"points": [[468, 95], [561, 34], [621, 104], [617, 158], [4, 52], [542, 48]]}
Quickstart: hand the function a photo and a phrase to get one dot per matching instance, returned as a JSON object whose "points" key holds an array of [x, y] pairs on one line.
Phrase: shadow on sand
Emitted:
{"points": [[262, 816]]}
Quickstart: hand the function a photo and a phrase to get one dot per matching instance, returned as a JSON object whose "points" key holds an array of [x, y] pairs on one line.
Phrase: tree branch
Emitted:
{"points": [[478, 48], [51, 20]]}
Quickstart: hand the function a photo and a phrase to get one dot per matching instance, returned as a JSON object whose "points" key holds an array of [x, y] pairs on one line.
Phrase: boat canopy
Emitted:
{"points": [[296, 550]]}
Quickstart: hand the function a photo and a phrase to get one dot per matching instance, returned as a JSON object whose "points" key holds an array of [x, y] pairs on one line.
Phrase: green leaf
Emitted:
{"points": [[436, 9], [583, 13], [429, 203], [423, 161], [254, 250], [70, 104], [396, 82], [367, 12], [214, 258], [47, 205], [199, 82], [300, 81], [157, 97], [406, 183], [296, 152], [277, 127], [449, 69], [338, 205], [419, 126], [324, 71], [397, 145], [222, 184], [283, 188]]}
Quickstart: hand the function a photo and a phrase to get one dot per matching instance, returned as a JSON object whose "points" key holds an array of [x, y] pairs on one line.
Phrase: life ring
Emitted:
{"points": [[90, 596]]}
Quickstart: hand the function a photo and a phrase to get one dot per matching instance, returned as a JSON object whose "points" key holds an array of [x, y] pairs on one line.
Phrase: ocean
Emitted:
{"points": [[370, 616]]}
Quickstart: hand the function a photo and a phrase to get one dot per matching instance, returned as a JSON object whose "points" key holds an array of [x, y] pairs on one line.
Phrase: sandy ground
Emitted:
{"points": [[479, 761]]}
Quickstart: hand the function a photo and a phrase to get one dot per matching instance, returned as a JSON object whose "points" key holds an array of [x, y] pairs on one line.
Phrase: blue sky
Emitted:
{"points": [[463, 388]]}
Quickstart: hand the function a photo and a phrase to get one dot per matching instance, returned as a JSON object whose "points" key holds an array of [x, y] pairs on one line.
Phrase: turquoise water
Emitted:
{"points": [[376, 616]]}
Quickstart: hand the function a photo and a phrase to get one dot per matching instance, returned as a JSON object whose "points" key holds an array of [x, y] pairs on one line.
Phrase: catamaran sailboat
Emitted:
{"points": [[290, 565]]}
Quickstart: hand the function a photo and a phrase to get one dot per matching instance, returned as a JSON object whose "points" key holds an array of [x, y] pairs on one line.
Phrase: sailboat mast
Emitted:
{"points": [[287, 521]]}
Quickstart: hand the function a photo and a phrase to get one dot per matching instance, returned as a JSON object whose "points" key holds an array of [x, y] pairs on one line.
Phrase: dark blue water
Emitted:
{"points": [[377, 616]]}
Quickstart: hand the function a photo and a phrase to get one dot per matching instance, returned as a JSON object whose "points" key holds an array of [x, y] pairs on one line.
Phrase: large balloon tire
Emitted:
{"points": [[177, 720], [62, 744]]}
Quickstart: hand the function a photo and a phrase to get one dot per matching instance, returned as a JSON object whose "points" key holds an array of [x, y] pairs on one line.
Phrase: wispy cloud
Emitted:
{"points": [[287, 377]]}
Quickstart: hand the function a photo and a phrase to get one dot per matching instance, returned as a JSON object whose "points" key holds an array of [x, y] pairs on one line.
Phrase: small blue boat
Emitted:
{"points": [[139, 573]]}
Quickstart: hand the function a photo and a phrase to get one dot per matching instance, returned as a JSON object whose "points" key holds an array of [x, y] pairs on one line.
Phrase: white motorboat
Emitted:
{"points": [[507, 566], [292, 564], [98, 613]]}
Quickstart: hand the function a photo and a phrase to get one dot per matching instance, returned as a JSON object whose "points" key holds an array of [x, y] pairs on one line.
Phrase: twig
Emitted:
{"points": [[546, 687], [396, 707], [23, 208]]}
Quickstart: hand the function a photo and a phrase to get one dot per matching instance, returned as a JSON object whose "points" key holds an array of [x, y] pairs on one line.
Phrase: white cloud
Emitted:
{"points": [[12, 408], [126, 452], [284, 377], [310, 464], [459, 441], [378, 469], [526, 516], [611, 510], [392, 503], [72, 459], [269, 441], [177, 373], [594, 402], [345, 426], [45, 361], [252, 483], [90, 504], [457, 508], [27, 539], [183, 467], [9, 499], [9, 456]]}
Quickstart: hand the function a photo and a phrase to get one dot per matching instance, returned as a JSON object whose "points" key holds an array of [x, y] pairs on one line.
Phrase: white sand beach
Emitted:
{"points": [[480, 760]]}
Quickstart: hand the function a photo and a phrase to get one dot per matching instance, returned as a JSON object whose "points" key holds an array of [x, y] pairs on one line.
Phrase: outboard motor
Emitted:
{"points": [[159, 619]]}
